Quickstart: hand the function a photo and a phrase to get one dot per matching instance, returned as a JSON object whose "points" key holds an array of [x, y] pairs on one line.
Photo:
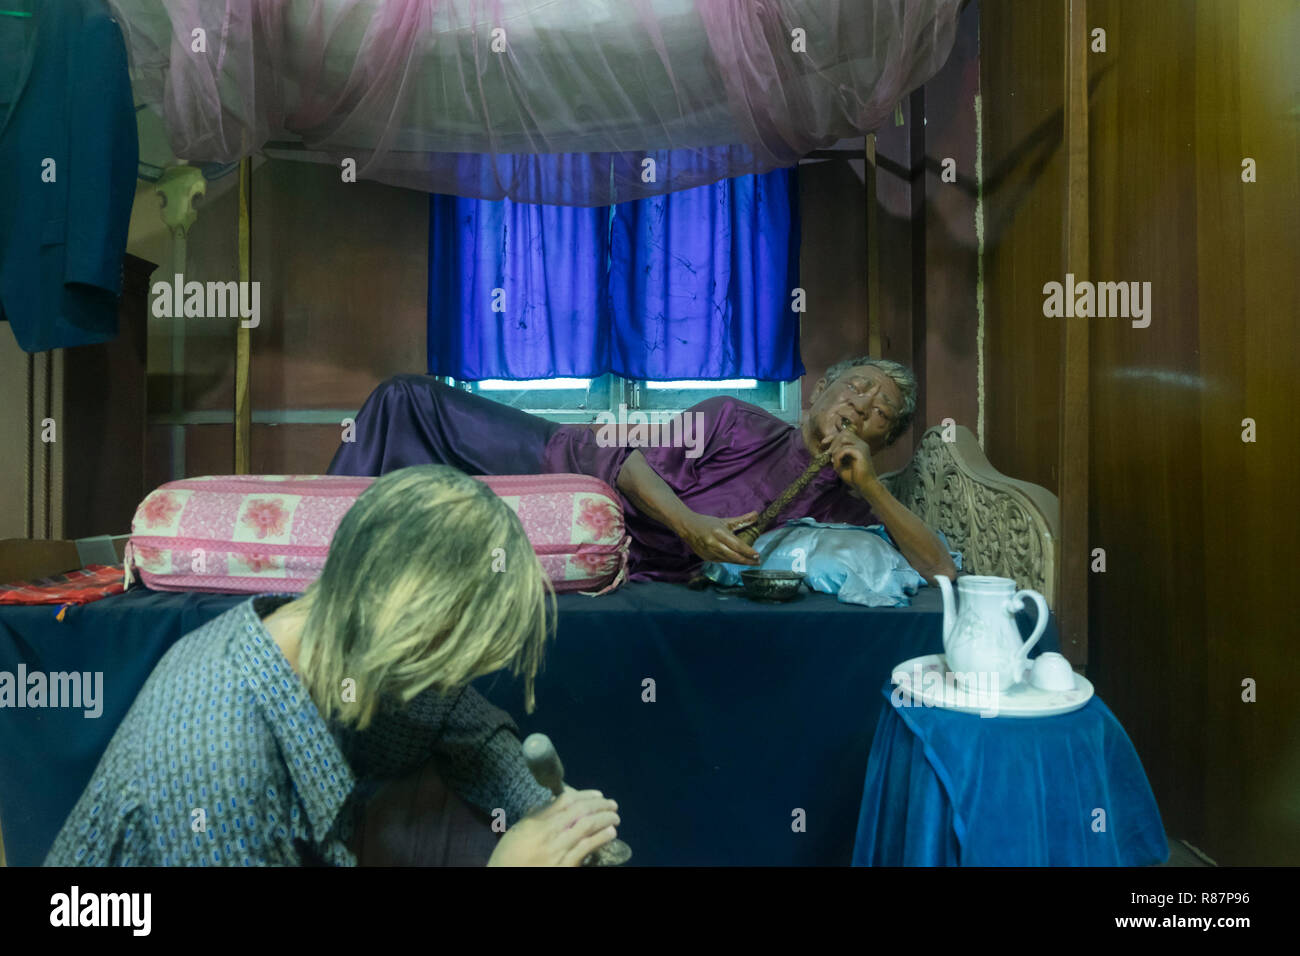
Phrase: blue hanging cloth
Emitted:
{"points": [[694, 284]]}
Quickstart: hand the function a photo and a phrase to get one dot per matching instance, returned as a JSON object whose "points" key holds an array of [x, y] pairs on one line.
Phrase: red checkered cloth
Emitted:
{"points": [[76, 587]]}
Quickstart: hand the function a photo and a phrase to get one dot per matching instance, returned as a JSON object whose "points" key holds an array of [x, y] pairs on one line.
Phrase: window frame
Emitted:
{"points": [[782, 399]]}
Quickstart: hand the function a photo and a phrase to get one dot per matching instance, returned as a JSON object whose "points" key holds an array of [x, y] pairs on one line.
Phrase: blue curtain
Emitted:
{"points": [[694, 284]]}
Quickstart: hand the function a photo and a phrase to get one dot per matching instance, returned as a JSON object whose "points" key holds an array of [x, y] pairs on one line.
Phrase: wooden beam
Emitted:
{"points": [[243, 344], [917, 320], [873, 249], [1075, 551]]}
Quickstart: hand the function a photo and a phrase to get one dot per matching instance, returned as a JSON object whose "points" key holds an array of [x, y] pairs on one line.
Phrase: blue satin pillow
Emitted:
{"points": [[859, 565]]}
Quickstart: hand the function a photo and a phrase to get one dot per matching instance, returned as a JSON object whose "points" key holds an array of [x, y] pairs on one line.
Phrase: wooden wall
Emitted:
{"points": [[1202, 523], [1022, 98], [1197, 525], [899, 256], [832, 207], [949, 335], [926, 247], [343, 273]]}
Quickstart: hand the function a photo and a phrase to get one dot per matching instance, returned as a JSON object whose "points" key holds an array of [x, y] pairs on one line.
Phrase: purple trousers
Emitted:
{"points": [[418, 420]]}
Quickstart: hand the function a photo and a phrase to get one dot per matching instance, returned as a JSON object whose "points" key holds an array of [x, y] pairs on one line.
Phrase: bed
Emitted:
{"points": [[759, 710]]}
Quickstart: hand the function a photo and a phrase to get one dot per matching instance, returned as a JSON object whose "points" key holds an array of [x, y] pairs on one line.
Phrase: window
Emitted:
{"points": [[559, 399], [697, 283], [582, 399]]}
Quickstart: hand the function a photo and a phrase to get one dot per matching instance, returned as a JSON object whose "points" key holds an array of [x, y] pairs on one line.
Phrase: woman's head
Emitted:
{"points": [[430, 582]]}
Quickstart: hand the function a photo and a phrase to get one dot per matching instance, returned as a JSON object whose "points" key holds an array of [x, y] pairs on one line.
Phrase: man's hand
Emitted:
{"points": [[714, 539], [560, 834], [851, 459]]}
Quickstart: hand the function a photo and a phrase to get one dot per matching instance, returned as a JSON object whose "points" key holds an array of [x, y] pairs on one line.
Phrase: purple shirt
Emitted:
{"points": [[747, 457]]}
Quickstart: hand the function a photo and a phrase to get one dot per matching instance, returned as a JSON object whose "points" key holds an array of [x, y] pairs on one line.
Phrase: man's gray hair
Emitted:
{"points": [[900, 375]]}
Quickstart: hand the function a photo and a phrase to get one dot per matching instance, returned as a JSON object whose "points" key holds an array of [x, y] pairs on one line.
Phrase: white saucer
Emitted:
{"points": [[1022, 700]]}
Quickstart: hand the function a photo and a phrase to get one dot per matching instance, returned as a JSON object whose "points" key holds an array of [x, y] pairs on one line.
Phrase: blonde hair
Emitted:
{"points": [[430, 582]]}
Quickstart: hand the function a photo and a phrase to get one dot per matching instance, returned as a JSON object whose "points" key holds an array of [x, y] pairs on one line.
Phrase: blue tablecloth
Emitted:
{"points": [[760, 710], [950, 789], [47, 755]]}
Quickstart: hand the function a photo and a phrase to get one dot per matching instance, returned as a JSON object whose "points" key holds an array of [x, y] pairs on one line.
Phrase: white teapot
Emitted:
{"points": [[982, 638]]}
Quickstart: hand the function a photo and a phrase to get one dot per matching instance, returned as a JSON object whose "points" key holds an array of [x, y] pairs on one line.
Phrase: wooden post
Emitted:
{"points": [[873, 249], [1072, 591], [243, 344], [918, 318]]}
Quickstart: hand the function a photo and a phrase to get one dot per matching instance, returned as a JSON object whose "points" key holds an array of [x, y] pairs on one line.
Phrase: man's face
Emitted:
{"points": [[848, 403]]}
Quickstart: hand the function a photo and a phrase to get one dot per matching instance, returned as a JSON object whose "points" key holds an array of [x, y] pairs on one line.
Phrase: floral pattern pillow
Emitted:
{"points": [[250, 534]]}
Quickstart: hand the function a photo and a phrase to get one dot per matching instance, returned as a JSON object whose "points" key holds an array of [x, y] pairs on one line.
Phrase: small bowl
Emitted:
{"points": [[771, 585]]}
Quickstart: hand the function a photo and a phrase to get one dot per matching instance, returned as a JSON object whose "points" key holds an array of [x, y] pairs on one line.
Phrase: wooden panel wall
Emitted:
{"points": [[1199, 525], [900, 251], [1035, 184], [343, 273], [832, 206], [1146, 477], [1022, 100], [1248, 284], [927, 247], [951, 249], [103, 434]]}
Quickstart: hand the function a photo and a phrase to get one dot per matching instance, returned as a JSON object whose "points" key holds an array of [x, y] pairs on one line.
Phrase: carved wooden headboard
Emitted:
{"points": [[1001, 526]]}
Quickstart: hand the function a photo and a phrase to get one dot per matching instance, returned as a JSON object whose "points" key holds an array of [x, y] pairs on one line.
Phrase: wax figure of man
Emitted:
{"points": [[320, 730], [683, 505]]}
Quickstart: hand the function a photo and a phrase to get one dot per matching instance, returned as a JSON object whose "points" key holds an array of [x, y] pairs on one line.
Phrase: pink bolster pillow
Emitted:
{"points": [[258, 533]]}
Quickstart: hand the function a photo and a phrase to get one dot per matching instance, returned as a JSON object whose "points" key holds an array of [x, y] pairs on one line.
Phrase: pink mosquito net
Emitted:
{"points": [[573, 102]]}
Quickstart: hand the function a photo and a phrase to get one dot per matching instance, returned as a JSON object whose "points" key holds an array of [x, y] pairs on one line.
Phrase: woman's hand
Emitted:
{"points": [[714, 539], [851, 459], [560, 834]]}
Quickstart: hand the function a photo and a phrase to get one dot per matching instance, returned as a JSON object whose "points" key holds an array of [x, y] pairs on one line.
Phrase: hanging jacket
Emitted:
{"points": [[68, 160]]}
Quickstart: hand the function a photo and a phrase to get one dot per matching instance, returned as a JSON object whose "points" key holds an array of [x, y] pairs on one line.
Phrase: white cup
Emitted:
{"points": [[1051, 671]]}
